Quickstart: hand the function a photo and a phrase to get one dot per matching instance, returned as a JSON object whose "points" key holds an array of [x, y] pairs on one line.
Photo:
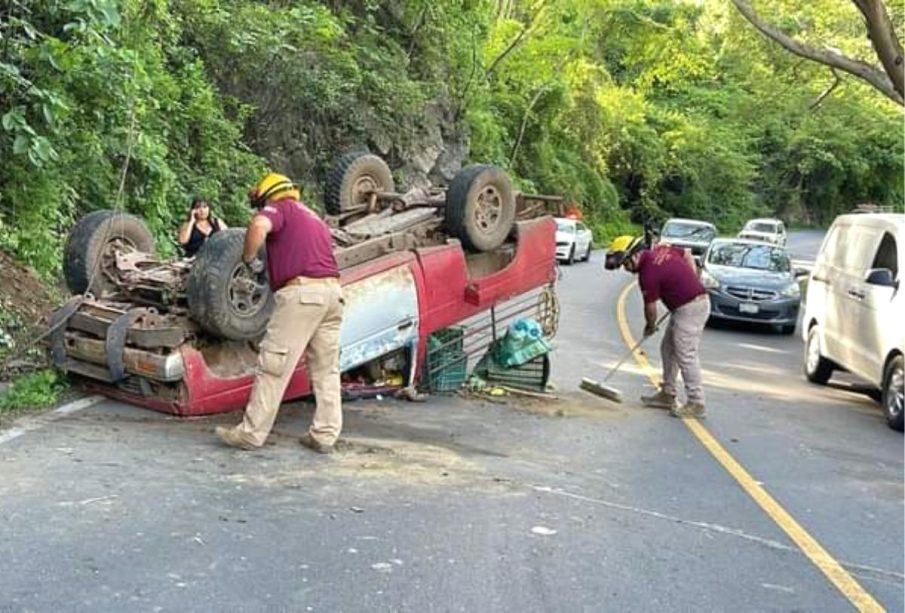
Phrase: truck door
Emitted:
{"points": [[381, 315]]}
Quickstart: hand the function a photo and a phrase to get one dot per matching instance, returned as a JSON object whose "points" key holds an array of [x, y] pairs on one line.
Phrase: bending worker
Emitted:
{"points": [[669, 274], [308, 315]]}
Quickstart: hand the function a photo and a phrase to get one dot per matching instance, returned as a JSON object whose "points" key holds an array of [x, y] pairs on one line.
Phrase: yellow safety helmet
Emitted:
{"points": [[272, 186], [621, 248]]}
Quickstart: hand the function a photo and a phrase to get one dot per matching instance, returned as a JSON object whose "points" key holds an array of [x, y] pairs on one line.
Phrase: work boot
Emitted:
{"points": [[233, 438], [659, 400], [314, 445], [689, 409]]}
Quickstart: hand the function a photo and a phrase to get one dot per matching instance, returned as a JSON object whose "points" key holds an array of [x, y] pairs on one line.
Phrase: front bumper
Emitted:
{"points": [[563, 250], [779, 311]]}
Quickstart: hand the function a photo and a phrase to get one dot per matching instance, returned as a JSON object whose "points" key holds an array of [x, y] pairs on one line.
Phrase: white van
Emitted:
{"points": [[854, 316]]}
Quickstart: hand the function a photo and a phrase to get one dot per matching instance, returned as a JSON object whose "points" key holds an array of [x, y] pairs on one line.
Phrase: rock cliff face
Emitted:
{"points": [[430, 150], [436, 152]]}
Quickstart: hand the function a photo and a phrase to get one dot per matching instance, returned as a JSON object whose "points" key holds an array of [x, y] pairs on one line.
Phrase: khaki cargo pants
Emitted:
{"points": [[306, 316], [679, 348]]}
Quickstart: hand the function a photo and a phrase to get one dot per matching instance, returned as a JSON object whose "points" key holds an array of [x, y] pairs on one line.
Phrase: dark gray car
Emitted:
{"points": [[751, 281]]}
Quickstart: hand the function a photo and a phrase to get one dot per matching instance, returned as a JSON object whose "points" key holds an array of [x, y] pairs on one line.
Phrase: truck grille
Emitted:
{"points": [[751, 293]]}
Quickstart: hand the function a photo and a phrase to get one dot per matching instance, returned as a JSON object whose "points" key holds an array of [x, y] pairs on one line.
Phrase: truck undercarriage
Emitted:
{"points": [[181, 336]]}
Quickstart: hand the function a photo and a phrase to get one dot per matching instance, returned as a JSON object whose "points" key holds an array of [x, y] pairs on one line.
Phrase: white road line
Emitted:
{"points": [[33, 423]]}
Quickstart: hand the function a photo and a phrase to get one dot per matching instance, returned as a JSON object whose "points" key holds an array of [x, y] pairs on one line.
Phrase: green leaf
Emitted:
{"points": [[48, 114], [8, 120], [20, 145]]}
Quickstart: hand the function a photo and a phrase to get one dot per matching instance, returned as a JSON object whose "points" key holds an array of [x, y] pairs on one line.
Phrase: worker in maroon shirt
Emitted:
{"points": [[308, 314], [668, 274]]}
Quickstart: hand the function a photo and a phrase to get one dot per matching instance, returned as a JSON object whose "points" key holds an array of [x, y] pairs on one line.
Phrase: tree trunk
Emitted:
{"points": [[884, 40]]}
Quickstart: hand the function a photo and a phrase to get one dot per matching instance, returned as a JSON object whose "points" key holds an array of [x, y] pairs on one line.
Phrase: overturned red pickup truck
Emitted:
{"points": [[181, 336]]}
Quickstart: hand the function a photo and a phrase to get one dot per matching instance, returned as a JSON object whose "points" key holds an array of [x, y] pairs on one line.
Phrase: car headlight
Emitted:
{"points": [[709, 281], [791, 291]]}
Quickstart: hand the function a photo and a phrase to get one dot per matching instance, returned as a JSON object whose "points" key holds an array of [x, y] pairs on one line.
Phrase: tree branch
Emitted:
{"points": [[534, 99], [837, 80], [515, 41], [877, 78]]}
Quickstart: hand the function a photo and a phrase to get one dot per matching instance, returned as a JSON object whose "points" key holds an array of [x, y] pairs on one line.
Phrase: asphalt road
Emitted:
{"points": [[461, 504]]}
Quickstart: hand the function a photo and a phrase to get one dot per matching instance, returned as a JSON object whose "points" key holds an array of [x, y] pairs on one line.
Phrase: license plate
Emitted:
{"points": [[748, 307]]}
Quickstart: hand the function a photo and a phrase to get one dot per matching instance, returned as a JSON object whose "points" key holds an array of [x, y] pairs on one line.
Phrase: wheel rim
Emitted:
{"points": [[895, 395], [813, 358], [488, 209], [247, 294], [362, 188]]}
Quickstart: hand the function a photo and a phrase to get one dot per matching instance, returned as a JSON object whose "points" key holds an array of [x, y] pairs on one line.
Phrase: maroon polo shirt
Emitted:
{"points": [[298, 245], [664, 274]]}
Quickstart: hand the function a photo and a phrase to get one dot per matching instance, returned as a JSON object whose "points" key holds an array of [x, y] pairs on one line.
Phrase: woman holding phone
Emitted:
{"points": [[200, 225]]}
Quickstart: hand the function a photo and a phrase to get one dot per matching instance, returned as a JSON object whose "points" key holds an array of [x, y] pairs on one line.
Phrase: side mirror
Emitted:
{"points": [[800, 272], [880, 276]]}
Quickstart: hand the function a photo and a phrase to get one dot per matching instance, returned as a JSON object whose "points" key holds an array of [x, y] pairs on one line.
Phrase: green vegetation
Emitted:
{"points": [[35, 390], [630, 108]]}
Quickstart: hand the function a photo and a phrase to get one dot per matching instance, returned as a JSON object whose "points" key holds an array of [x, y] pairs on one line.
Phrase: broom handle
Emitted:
{"points": [[632, 351]]}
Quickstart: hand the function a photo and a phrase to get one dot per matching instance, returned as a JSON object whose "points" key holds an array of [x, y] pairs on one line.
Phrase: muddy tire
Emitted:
{"points": [[480, 207], [352, 177], [91, 247], [224, 298]]}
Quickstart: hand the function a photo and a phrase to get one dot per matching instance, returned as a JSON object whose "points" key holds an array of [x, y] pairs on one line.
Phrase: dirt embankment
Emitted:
{"points": [[25, 300]]}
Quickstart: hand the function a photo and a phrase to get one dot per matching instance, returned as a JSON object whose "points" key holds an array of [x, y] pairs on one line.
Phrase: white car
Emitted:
{"points": [[853, 318], [767, 230], [573, 241]]}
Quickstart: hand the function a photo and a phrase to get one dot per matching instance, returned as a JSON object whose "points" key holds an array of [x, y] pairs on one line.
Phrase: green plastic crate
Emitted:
{"points": [[447, 364]]}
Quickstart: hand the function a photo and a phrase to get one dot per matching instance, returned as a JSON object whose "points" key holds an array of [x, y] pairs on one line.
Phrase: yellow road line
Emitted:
{"points": [[815, 552]]}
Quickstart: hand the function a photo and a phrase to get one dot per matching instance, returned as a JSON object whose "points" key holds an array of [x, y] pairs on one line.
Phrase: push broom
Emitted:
{"points": [[601, 388]]}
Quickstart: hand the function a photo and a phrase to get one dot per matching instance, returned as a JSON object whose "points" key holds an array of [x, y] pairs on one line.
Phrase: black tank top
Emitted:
{"points": [[198, 237]]}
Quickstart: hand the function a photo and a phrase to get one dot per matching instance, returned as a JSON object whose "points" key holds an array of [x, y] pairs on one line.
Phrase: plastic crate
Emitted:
{"points": [[531, 376], [446, 366]]}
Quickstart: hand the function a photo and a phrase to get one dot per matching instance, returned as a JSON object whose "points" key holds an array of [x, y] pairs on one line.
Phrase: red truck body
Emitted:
{"points": [[446, 287]]}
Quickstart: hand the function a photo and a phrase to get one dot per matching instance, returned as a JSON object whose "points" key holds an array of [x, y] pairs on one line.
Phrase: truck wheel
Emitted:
{"points": [[224, 298], [817, 368], [894, 394], [351, 179], [92, 245], [480, 207]]}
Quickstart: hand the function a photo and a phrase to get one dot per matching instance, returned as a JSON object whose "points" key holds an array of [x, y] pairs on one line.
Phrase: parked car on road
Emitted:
{"points": [[751, 281], [689, 234], [573, 240], [854, 316], [767, 230]]}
